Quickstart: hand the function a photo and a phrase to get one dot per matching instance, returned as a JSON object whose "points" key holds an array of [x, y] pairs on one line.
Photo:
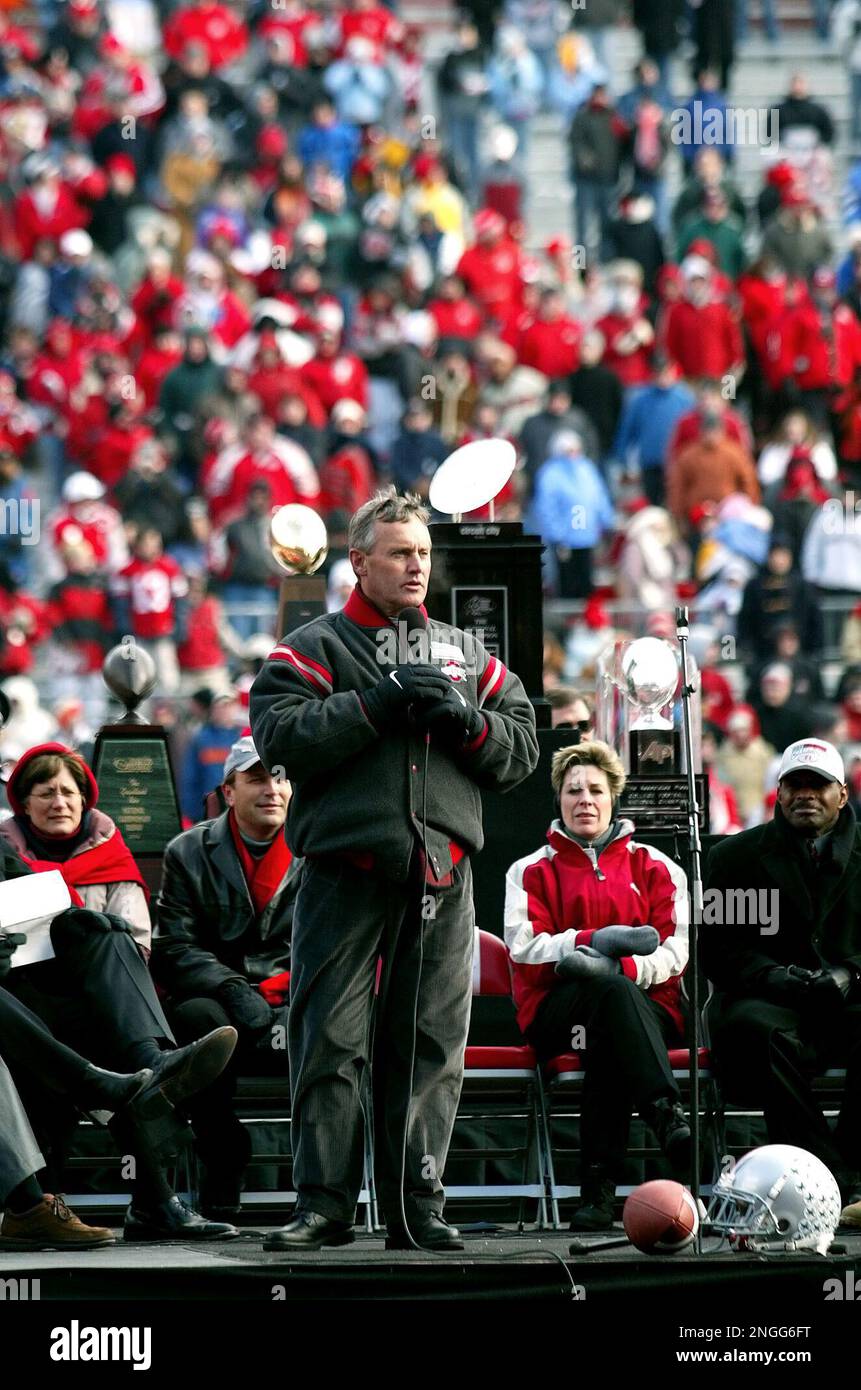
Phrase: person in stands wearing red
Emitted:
{"points": [[701, 331], [222, 952], [820, 349], [148, 596], [97, 993], [552, 343], [333, 374], [491, 269], [217, 27], [597, 929], [627, 332]]}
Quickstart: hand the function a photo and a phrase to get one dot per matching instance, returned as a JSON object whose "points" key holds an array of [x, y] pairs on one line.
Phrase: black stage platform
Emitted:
{"points": [[499, 1265]]}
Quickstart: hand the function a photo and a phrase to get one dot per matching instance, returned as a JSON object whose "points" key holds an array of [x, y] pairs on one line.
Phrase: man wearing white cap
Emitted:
{"points": [[781, 940], [222, 950]]}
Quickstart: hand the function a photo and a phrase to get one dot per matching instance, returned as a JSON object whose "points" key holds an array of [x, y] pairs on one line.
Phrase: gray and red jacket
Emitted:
{"points": [[361, 794], [557, 897]]}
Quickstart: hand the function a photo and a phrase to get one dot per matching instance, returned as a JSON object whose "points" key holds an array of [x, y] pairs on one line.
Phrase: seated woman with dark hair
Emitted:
{"points": [[97, 995], [597, 928]]}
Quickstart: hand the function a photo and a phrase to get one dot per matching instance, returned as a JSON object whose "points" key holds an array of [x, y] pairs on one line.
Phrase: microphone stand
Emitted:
{"points": [[696, 898]]}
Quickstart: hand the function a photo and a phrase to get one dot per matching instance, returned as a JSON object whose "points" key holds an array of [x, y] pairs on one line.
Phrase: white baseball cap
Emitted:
{"points": [[82, 487], [813, 755], [242, 757]]}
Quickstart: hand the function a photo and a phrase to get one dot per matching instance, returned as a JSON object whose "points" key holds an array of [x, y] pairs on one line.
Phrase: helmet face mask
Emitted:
{"points": [[778, 1197]]}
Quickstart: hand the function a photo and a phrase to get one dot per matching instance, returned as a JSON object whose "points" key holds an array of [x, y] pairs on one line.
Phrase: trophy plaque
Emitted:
{"points": [[299, 545], [131, 761], [638, 714]]}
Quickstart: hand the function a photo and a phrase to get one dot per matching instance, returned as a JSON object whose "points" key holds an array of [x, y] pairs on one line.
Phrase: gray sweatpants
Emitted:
{"points": [[345, 919], [19, 1153]]}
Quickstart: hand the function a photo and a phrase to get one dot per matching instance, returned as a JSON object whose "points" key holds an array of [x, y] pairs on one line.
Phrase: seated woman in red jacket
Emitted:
{"points": [[97, 995], [597, 928]]}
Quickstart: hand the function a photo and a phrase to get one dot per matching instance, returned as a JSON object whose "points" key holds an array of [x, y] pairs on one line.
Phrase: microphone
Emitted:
{"points": [[412, 620]]}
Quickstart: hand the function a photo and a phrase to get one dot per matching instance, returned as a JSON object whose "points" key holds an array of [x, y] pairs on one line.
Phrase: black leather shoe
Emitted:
{"points": [[427, 1230], [102, 1093], [173, 1220], [308, 1230], [672, 1131], [186, 1070]]}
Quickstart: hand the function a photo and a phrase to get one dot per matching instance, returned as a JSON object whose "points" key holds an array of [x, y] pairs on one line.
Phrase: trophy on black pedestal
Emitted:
{"points": [[299, 545], [638, 705], [131, 760], [486, 576]]}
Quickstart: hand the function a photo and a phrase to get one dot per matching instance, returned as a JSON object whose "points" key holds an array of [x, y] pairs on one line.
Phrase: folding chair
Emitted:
{"points": [[502, 1080]]}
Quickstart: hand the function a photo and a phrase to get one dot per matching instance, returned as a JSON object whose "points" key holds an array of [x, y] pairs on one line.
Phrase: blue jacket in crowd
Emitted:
{"points": [[572, 506], [648, 420]]}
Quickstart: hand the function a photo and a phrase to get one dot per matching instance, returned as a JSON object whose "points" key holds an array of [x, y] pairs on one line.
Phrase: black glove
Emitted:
{"points": [[245, 1007], [267, 1038], [8, 945], [407, 685], [789, 985], [452, 719], [81, 921]]}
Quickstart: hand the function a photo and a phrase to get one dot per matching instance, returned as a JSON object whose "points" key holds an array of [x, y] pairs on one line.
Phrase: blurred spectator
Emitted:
{"points": [[743, 760], [799, 110], [246, 565], [651, 560], [648, 422], [707, 470], [595, 143], [149, 597], [572, 511], [516, 84], [463, 86], [774, 596], [782, 718], [206, 751], [724, 815], [556, 414], [596, 390]]}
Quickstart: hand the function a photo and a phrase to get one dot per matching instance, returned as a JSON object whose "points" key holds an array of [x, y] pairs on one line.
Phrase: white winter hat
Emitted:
{"points": [[82, 487]]}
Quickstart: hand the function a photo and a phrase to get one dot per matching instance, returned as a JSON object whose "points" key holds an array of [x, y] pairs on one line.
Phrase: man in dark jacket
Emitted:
{"points": [[781, 941], [386, 754], [222, 950], [596, 143]]}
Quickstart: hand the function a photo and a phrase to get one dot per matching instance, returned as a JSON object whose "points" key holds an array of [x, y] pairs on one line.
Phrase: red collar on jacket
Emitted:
{"points": [[360, 610]]}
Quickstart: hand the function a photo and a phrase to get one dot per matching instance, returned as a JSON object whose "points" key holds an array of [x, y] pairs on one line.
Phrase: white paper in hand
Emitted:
{"points": [[29, 905]]}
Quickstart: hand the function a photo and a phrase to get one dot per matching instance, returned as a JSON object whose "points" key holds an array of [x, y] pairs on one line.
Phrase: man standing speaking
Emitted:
{"points": [[386, 758]]}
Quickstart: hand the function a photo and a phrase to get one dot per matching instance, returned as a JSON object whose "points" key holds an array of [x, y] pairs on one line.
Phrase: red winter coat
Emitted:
{"points": [[458, 318], [112, 451], [202, 647], [225, 36], [552, 348], [554, 901], [819, 350], [342, 377], [155, 307], [703, 341], [271, 384], [31, 224], [492, 276], [633, 368]]}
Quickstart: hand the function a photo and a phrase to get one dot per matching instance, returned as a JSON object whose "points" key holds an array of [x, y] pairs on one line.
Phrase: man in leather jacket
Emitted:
{"points": [[222, 950], [784, 953]]}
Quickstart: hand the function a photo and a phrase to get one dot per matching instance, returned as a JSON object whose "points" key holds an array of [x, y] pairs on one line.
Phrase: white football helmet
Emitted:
{"points": [[777, 1198]]}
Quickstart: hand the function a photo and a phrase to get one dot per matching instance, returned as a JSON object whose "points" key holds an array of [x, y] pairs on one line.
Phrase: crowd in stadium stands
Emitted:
{"points": [[262, 251]]}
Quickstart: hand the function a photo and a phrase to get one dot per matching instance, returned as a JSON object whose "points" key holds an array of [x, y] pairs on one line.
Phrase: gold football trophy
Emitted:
{"points": [[299, 545]]}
